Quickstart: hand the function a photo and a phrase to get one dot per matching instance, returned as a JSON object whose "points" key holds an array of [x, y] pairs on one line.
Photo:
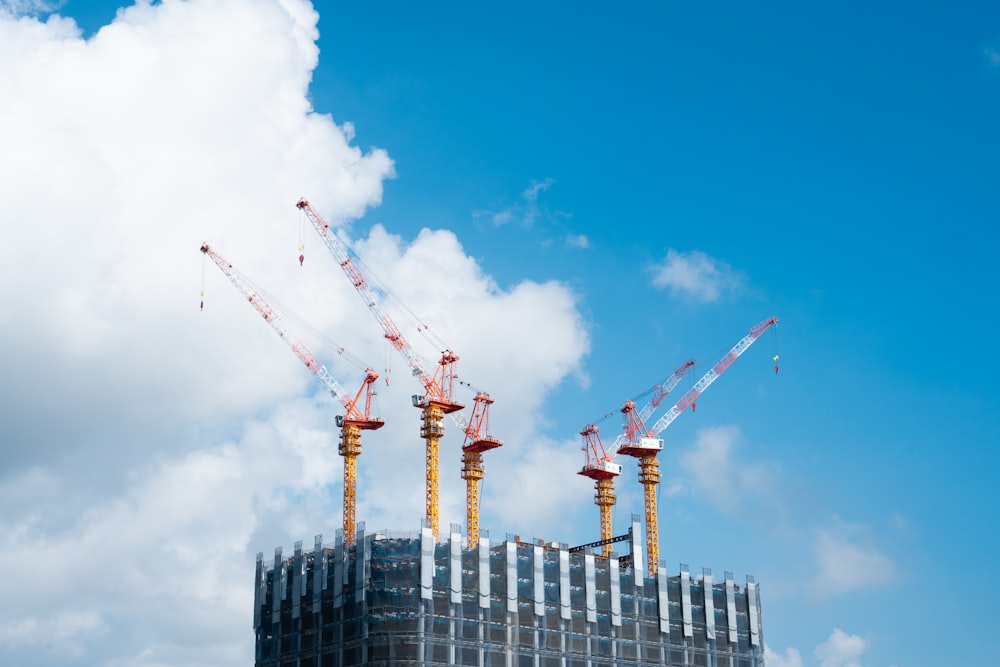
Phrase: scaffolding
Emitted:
{"points": [[406, 599]]}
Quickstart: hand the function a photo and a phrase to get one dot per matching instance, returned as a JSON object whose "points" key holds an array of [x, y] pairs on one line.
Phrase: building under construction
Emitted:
{"points": [[406, 598], [427, 599]]}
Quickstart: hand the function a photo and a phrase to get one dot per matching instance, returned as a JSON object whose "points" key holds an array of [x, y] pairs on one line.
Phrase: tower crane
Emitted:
{"points": [[438, 398], [600, 466], [355, 418], [638, 441], [477, 440], [602, 470]]}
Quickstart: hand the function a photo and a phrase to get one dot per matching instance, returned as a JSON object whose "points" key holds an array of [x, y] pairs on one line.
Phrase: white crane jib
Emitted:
{"points": [[253, 295], [707, 379]]}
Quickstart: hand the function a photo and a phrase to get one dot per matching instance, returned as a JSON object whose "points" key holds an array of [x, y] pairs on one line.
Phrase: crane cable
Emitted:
{"points": [[204, 258]]}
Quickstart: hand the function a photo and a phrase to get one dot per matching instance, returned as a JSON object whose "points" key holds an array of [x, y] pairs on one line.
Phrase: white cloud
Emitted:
{"points": [[696, 276], [718, 477], [152, 449], [848, 561], [17, 8], [840, 650], [790, 658], [991, 52], [525, 212], [528, 215]]}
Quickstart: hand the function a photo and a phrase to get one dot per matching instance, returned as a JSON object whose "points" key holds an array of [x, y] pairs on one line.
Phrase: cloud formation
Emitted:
{"points": [[718, 476], [696, 276], [19, 8], [528, 215], [991, 52], [841, 650], [848, 561], [152, 449], [790, 658]]}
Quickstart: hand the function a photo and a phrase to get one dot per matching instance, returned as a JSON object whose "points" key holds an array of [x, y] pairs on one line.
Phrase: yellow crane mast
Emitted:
{"points": [[600, 468], [477, 441]]}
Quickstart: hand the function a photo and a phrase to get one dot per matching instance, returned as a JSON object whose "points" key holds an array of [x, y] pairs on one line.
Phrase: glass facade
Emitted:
{"points": [[402, 599]]}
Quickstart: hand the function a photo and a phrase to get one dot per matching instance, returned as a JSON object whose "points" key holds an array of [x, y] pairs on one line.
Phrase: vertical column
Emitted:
{"points": [[339, 571], [362, 571], [511, 565], [511, 577], [731, 608], [298, 569], [277, 595], [616, 593], [426, 563], [663, 609], [538, 578], [259, 589], [455, 564], [686, 601], [590, 582], [662, 599], [709, 593], [484, 571], [278, 587], [753, 611], [565, 611], [639, 569], [688, 638], [538, 596], [484, 594], [709, 604], [637, 554], [319, 574], [426, 589], [455, 587], [362, 561]]}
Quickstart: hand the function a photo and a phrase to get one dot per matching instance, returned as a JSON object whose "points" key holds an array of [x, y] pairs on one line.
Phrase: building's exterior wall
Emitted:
{"points": [[402, 599]]}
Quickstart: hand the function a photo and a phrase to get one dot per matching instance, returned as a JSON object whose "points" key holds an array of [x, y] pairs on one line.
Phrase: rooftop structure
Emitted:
{"points": [[405, 598]]}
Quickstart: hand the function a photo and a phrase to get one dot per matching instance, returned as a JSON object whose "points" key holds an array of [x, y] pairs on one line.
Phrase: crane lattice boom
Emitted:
{"points": [[437, 385], [634, 427], [246, 288], [352, 422], [708, 378]]}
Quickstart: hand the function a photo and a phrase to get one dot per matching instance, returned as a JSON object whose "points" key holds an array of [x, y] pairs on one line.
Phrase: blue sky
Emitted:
{"points": [[579, 198]]}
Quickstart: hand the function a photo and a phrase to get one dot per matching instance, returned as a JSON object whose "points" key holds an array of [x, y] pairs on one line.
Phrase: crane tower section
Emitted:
{"points": [[602, 470], [477, 441]]}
